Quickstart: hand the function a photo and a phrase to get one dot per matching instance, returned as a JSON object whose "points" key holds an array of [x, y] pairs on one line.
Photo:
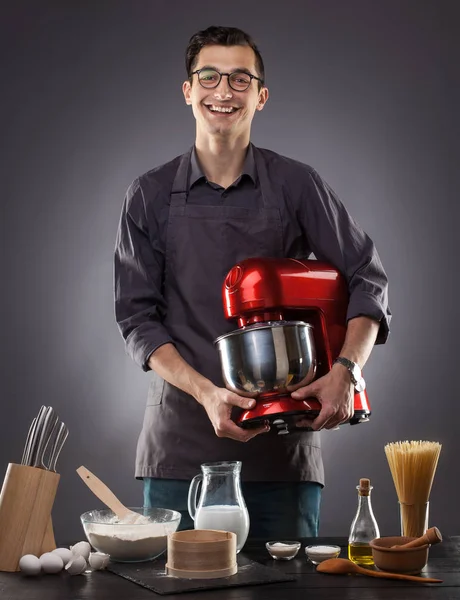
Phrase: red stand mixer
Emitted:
{"points": [[291, 316]]}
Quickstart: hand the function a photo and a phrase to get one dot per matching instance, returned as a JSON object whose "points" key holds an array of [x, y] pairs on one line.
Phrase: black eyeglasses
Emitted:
{"points": [[238, 80]]}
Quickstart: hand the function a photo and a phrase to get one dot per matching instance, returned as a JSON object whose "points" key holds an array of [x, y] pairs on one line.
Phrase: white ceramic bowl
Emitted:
{"points": [[282, 550], [316, 554]]}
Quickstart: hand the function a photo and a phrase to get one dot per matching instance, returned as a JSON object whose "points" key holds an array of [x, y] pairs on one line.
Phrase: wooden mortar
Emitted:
{"points": [[201, 554]]}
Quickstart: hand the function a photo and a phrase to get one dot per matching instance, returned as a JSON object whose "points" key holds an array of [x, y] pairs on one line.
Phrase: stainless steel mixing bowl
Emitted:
{"points": [[267, 359]]}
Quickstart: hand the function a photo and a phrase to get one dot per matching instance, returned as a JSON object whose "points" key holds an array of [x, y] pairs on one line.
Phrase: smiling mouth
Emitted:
{"points": [[221, 110]]}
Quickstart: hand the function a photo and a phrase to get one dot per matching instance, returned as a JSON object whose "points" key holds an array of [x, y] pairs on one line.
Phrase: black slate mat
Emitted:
{"points": [[152, 576]]}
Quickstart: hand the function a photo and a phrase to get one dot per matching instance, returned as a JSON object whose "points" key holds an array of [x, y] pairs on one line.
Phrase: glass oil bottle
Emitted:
{"points": [[364, 527]]}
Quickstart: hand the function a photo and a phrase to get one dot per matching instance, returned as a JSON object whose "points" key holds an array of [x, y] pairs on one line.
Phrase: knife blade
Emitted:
{"points": [[32, 438], [61, 437]]}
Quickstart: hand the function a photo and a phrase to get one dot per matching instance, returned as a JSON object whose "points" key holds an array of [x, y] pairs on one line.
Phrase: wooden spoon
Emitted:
{"points": [[109, 499], [342, 566], [431, 536]]}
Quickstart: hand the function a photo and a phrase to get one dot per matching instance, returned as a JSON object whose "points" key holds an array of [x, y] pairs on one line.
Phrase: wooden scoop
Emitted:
{"points": [[109, 499], [343, 566], [431, 536]]}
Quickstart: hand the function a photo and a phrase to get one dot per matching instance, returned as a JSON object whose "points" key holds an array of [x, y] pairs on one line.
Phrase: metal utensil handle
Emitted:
{"points": [[192, 494], [45, 432], [53, 432], [30, 434], [57, 446], [35, 435]]}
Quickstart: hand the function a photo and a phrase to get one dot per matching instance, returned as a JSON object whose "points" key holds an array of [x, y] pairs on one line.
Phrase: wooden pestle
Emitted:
{"points": [[431, 536], [343, 566]]}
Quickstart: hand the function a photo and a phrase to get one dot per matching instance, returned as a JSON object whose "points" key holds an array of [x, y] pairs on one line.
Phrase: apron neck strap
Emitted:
{"points": [[179, 191]]}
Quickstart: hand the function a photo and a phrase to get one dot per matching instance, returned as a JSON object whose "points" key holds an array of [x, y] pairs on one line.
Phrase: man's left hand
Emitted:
{"points": [[335, 392]]}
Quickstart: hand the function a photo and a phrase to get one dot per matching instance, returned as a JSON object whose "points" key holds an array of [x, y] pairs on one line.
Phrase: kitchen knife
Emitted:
{"points": [[44, 430], [26, 447], [59, 441], [33, 434], [51, 437]]}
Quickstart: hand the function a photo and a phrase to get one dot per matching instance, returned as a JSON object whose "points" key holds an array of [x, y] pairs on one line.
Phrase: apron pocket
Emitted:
{"points": [[155, 393]]}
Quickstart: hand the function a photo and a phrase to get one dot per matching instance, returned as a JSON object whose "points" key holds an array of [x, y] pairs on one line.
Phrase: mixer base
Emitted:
{"points": [[285, 422]]}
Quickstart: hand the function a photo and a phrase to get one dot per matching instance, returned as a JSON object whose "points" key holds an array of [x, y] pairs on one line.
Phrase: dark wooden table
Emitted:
{"points": [[444, 563]]}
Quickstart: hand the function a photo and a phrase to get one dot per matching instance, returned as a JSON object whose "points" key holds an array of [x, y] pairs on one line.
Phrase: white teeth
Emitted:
{"points": [[226, 109]]}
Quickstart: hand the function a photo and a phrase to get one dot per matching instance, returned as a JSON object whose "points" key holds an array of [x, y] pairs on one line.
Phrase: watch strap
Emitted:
{"points": [[352, 367]]}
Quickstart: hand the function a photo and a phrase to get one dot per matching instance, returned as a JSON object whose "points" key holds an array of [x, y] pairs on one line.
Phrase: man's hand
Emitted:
{"points": [[335, 393], [218, 403]]}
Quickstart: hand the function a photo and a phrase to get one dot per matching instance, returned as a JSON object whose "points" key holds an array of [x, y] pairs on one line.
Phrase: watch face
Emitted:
{"points": [[360, 386], [356, 373]]}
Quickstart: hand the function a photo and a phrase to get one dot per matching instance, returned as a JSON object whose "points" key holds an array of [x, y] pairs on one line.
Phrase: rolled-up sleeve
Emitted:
{"points": [[138, 278], [335, 237]]}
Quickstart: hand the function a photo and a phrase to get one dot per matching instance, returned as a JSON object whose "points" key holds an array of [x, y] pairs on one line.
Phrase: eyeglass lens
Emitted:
{"points": [[238, 81]]}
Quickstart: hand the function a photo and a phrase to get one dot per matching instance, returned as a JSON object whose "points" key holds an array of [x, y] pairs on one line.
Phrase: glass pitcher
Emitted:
{"points": [[221, 504]]}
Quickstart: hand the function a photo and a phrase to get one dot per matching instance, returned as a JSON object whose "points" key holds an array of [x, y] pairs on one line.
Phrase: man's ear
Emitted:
{"points": [[187, 91], [263, 97]]}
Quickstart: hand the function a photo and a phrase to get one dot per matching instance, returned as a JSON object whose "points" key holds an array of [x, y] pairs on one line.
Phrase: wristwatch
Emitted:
{"points": [[355, 372]]}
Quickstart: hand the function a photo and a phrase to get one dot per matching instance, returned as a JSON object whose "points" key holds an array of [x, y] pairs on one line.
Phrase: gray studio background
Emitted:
{"points": [[364, 91]]}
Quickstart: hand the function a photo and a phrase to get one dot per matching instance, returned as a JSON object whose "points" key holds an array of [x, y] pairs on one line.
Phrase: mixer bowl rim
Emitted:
{"points": [[264, 325]]}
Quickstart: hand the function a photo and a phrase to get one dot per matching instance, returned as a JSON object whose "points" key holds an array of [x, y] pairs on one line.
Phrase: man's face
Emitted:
{"points": [[207, 104]]}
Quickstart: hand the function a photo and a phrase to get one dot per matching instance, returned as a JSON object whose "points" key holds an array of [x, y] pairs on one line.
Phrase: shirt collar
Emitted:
{"points": [[249, 167]]}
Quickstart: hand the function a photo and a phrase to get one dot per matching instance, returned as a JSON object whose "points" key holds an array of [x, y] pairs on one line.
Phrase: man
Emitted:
{"points": [[183, 226]]}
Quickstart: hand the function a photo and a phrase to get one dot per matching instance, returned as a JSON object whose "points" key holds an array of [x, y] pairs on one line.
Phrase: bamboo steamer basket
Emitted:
{"points": [[201, 554]]}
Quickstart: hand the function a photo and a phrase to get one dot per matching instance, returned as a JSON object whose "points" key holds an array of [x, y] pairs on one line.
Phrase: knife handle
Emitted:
{"points": [[44, 433], [57, 446]]}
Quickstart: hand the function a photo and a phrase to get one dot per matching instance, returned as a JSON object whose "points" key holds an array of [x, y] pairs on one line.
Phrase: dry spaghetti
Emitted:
{"points": [[413, 465]]}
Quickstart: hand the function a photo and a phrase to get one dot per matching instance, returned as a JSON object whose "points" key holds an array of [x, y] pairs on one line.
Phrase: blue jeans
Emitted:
{"points": [[277, 510]]}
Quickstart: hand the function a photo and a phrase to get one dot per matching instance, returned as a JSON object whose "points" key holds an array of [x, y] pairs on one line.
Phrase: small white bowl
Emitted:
{"points": [[282, 550], [316, 554]]}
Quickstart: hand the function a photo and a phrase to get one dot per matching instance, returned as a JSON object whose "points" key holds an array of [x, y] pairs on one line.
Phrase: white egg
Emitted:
{"points": [[64, 553], [98, 560], [76, 565], [30, 564], [82, 548], [51, 563]]}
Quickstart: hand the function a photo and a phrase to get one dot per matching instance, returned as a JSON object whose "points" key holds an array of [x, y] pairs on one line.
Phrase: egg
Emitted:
{"points": [[98, 560], [30, 564], [64, 553], [51, 563], [76, 565], [82, 548]]}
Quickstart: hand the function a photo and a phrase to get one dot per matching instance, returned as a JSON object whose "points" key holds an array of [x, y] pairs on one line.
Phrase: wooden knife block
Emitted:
{"points": [[26, 501]]}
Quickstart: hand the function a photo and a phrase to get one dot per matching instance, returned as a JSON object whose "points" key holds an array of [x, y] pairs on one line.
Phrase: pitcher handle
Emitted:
{"points": [[192, 493]]}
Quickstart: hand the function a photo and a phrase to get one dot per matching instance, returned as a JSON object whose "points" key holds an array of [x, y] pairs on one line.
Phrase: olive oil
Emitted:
{"points": [[364, 527], [361, 554]]}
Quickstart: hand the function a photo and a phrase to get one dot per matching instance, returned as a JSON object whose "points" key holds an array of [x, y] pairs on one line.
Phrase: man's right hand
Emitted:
{"points": [[218, 403]]}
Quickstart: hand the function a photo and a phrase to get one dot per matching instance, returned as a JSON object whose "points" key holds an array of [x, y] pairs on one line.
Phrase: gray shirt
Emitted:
{"points": [[314, 221]]}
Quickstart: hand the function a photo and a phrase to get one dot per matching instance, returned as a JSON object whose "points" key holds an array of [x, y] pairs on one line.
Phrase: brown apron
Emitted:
{"points": [[203, 243]]}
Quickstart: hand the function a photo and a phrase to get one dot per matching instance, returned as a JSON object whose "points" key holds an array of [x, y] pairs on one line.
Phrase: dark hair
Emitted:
{"points": [[220, 36]]}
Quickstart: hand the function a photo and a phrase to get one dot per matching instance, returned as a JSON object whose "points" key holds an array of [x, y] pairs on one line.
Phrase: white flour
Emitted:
{"points": [[128, 542]]}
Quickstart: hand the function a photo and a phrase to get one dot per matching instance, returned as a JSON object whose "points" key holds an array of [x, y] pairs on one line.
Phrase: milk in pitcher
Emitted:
{"points": [[226, 518]]}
